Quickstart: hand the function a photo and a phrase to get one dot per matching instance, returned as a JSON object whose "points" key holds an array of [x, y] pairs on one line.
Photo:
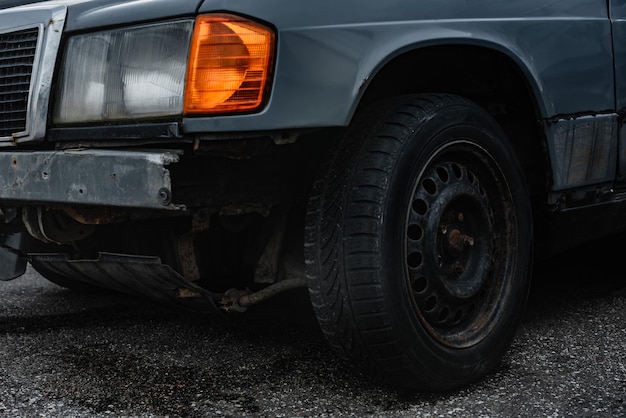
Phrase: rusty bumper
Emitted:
{"points": [[119, 178]]}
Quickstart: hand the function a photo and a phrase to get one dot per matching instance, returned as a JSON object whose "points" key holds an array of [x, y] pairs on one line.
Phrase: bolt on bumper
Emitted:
{"points": [[136, 179]]}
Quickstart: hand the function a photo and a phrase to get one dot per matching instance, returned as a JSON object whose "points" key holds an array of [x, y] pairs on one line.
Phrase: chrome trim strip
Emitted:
{"points": [[50, 20]]}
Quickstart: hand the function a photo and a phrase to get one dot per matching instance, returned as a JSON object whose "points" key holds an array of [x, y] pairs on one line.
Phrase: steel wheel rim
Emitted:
{"points": [[458, 241]]}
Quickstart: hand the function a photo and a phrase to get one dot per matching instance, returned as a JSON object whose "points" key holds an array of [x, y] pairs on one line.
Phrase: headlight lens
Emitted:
{"points": [[222, 64], [135, 72]]}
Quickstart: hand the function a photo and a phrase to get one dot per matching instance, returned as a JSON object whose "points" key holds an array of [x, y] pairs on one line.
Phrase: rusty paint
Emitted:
{"points": [[455, 238], [230, 300], [187, 256], [185, 247], [241, 300], [94, 216], [184, 293]]}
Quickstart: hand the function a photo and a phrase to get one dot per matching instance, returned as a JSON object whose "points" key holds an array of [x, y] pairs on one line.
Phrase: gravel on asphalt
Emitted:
{"points": [[100, 355]]}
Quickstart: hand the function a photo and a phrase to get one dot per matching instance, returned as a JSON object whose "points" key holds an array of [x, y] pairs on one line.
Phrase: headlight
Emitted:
{"points": [[126, 73], [221, 64]]}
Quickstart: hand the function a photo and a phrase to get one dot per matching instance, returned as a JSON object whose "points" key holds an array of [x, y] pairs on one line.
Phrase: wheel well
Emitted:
{"points": [[487, 77]]}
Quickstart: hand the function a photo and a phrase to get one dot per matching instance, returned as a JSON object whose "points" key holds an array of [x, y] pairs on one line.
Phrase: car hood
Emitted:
{"points": [[91, 14], [5, 4]]}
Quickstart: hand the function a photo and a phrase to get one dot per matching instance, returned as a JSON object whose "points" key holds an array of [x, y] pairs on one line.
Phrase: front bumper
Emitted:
{"points": [[117, 178]]}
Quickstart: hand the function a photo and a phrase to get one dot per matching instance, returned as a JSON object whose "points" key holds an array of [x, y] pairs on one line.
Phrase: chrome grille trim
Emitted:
{"points": [[17, 57], [28, 53]]}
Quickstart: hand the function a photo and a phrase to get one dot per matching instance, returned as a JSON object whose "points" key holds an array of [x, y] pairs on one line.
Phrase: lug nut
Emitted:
{"points": [[469, 241]]}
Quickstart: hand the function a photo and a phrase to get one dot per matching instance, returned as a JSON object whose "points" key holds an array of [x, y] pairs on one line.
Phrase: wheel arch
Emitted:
{"points": [[433, 59], [486, 73]]}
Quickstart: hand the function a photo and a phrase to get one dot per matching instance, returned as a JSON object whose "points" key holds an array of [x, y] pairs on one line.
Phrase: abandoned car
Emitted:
{"points": [[407, 161]]}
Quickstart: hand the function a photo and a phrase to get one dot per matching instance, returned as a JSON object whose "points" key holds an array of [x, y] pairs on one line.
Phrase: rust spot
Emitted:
{"points": [[455, 238], [184, 293], [94, 216]]}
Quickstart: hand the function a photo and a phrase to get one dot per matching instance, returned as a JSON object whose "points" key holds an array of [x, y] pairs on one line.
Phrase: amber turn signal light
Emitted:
{"points": [[229, 65]]}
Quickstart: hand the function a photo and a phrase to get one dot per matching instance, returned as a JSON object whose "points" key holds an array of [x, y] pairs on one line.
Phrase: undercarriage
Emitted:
{"points": [[215, 227]]}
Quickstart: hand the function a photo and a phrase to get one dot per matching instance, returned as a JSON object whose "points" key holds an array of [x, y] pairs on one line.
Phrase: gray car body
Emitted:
{"points": [[328, 53], [166, 205]]}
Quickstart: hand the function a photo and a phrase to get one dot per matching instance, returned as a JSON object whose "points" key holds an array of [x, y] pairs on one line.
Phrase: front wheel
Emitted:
{"points": [[418, 242]]}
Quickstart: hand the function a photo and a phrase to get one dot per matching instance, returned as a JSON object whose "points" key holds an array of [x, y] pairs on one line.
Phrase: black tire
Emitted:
{"points": [[419, 242]]}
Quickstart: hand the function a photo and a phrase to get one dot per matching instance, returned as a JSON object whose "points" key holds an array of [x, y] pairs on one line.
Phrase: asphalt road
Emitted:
{"points": [[70, 355]]}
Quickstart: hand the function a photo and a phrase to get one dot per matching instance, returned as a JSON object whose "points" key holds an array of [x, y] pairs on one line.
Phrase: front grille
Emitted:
{"points": [[17, 55]]}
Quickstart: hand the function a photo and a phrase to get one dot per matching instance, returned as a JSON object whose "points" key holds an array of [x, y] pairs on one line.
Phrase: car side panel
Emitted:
{"points": [[324, 64]]}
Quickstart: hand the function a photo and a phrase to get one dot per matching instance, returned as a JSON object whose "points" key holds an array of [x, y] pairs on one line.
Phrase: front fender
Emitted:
{"points": [[326, 60]]}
